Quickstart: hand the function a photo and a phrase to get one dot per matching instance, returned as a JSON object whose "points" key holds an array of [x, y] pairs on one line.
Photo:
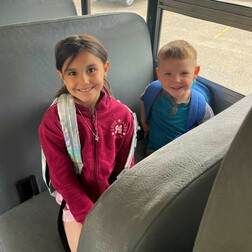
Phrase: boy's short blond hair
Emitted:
{"points": [[177, 49]]}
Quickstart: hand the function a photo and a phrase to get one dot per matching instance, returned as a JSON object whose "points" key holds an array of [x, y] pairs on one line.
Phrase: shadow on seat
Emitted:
{"points": [[158, 205], [227, 224]]}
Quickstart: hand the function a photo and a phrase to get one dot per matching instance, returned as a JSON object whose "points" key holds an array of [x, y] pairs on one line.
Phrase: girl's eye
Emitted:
{"points": [[72, 73], [91, 70]]}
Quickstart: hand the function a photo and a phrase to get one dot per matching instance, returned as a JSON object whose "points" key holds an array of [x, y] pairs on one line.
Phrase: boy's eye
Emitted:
{"points": [[168, 74], [184, 73]]}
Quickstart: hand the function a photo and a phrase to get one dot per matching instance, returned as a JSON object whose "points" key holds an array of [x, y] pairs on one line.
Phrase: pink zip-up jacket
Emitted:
{"points": [[113, 122]]}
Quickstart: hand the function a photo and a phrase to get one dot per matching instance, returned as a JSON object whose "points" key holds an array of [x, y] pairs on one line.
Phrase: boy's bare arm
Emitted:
{"points": [[143, 119]]}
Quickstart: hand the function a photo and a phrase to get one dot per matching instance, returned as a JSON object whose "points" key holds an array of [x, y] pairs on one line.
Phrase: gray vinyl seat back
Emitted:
{"points": [[158, 205], [18, 11], [29, 83], [227, 224]]}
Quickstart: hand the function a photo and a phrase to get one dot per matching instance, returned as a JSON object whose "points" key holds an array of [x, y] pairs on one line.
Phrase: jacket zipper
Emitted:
{"points": [[94, 122]]}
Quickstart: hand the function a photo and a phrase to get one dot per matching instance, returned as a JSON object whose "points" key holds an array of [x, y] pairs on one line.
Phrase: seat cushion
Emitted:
{"points": [[31, 226]]}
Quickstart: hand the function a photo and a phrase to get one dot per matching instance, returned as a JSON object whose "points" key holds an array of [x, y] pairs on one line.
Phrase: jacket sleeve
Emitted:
{"points": [[61, 169]]}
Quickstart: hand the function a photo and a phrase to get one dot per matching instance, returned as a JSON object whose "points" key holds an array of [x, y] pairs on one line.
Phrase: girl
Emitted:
{"points": [[105, 127]]}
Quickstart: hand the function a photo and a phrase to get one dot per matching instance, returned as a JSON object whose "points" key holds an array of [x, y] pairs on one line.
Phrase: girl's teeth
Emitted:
{"points": [[84, 89]]}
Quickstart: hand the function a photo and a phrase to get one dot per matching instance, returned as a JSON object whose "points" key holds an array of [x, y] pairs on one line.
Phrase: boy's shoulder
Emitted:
{"points": [[155, 85], [152, 90], [150, 94], [197, 97], [197, 108], [203, 90]]}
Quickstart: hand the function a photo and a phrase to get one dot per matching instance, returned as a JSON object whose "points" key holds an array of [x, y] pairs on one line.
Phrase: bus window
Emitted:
{"points": [[102, 6], [224, 52], [219, 30]]}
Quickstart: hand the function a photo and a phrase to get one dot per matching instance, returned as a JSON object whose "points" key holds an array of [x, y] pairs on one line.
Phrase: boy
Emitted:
{"points": [[171, 106]]}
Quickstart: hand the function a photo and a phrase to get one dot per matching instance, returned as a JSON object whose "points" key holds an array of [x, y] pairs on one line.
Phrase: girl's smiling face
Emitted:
{"points": [[84, 78], [176, 77]]}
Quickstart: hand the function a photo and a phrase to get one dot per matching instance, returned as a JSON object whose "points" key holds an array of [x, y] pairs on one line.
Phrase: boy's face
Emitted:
{"points": [[176, 76]]}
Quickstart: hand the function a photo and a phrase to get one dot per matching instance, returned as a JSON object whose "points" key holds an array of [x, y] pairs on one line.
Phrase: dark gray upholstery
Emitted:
{"points": [[18, 11], [157, 205], [227, 224], [28, 84], [32, 226]]}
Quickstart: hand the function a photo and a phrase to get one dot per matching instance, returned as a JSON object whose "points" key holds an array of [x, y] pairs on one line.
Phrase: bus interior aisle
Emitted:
{"points": [[163, 203]]}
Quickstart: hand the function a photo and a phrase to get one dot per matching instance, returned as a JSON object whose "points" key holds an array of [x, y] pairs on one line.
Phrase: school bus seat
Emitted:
{"points": [[31, 226], [18, 11], [28, 85], [227, 224], [158, 205]]}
